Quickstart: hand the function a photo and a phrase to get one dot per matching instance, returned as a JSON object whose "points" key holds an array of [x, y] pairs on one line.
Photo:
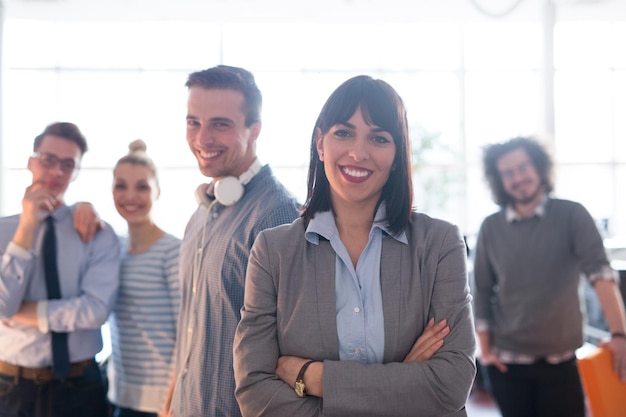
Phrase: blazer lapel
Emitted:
{"points": [[324, 276], [391, 282]]}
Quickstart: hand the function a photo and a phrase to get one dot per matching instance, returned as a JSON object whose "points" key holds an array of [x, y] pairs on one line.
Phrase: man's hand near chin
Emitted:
{"points": [[36, 198]]}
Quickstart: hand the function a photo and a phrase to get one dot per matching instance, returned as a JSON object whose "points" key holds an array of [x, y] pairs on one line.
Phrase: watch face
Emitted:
{"points": [[299, 388]]}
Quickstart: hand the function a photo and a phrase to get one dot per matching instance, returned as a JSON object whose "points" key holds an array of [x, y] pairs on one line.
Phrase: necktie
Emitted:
{"points": [[60, 354]]}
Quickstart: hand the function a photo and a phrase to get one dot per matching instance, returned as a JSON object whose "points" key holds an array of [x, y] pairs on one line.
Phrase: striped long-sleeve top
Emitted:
{"points": [[143, 327]]}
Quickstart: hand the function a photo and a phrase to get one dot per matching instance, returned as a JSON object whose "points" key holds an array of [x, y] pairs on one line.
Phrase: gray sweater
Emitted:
{"points": [[527, 274]]}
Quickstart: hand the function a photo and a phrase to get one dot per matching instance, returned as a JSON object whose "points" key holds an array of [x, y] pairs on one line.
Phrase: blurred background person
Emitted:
{"points": [[529, 258], [143, 320], [56, 291]]}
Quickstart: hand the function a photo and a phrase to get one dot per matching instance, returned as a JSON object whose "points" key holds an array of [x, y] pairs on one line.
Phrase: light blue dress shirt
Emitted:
{"points": [[88, 276], [359, 305]]}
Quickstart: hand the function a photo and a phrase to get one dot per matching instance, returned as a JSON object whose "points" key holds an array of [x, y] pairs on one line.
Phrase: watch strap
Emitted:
{"points": [[299, 385]]}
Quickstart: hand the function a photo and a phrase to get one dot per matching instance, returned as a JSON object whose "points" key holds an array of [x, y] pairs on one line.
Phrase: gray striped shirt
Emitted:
{"points": [[213, 263]]}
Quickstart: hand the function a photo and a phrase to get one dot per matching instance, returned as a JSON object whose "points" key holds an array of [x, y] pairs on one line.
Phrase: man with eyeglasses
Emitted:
{"points": [[55, 291], [528, 262]]}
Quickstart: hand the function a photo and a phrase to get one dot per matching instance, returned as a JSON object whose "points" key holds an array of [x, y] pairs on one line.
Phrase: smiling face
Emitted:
{"points": [[134, 191], [217, 133], [51, 167], [358, 158], [520, 178]]}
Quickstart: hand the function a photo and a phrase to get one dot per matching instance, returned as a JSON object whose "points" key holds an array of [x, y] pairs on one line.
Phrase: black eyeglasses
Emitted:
{"points": [[50, 160], [522, 168]]}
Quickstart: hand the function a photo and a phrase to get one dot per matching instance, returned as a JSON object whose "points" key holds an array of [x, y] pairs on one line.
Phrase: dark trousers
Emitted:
{"points": [[129, 412], [82, 396], [538, 390]]}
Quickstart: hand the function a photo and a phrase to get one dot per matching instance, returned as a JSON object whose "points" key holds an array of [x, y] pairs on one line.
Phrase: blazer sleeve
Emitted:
{"points": [[258, 390], [439, 386], [433, 283]]}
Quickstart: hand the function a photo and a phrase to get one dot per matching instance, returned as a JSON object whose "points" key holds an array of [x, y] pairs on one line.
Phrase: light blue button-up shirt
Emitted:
{"points": [[88, 277], [359, 306]]}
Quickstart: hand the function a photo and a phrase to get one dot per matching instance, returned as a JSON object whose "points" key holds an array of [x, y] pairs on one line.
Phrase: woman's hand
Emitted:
{"points": [[86, 221], [429, 341], [288, 367]]}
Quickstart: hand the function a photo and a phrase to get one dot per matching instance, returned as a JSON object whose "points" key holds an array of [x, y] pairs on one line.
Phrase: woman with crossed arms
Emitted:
{"points": [[361, 307]]}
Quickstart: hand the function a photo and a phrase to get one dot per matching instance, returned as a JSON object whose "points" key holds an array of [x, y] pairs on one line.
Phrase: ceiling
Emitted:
{"points": [[300, 10]]}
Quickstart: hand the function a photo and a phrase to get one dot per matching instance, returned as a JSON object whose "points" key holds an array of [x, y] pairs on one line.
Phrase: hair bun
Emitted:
{"points": [[137, 145]]}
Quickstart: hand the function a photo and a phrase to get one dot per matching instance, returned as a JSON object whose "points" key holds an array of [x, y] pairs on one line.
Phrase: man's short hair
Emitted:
{"points": [[65, 130], [231, 78]]}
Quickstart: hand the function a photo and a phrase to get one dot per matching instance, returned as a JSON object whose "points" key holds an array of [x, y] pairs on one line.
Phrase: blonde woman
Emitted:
{"points": [[143, 321]]}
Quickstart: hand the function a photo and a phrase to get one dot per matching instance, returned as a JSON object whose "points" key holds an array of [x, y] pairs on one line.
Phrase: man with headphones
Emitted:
{"points": [[223, 124]]}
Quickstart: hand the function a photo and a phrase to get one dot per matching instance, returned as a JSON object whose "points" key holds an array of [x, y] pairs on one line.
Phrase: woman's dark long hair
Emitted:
{"points": [[381, 106]]}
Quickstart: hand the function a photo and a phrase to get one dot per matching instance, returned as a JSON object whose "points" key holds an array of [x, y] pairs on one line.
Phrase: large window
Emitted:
{"points": [[464, 85], [590, 95]]}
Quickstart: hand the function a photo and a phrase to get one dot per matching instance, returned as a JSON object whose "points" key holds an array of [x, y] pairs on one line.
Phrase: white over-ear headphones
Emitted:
{"points": [[228, 190]]}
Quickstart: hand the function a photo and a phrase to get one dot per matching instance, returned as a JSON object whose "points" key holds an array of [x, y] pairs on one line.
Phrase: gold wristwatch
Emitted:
{"points": [[299, 386]]}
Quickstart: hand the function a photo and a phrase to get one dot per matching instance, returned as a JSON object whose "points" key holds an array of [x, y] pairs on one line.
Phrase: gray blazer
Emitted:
{"points": [[289, 309]]}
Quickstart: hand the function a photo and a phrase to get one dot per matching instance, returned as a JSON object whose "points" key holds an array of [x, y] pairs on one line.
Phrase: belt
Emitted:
{"points": [[43, 374]]}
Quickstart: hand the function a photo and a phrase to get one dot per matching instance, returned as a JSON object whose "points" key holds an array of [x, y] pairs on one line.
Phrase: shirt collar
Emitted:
{"points": [[59, 214], [323, 224], [210, 190], [540, 210]]}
